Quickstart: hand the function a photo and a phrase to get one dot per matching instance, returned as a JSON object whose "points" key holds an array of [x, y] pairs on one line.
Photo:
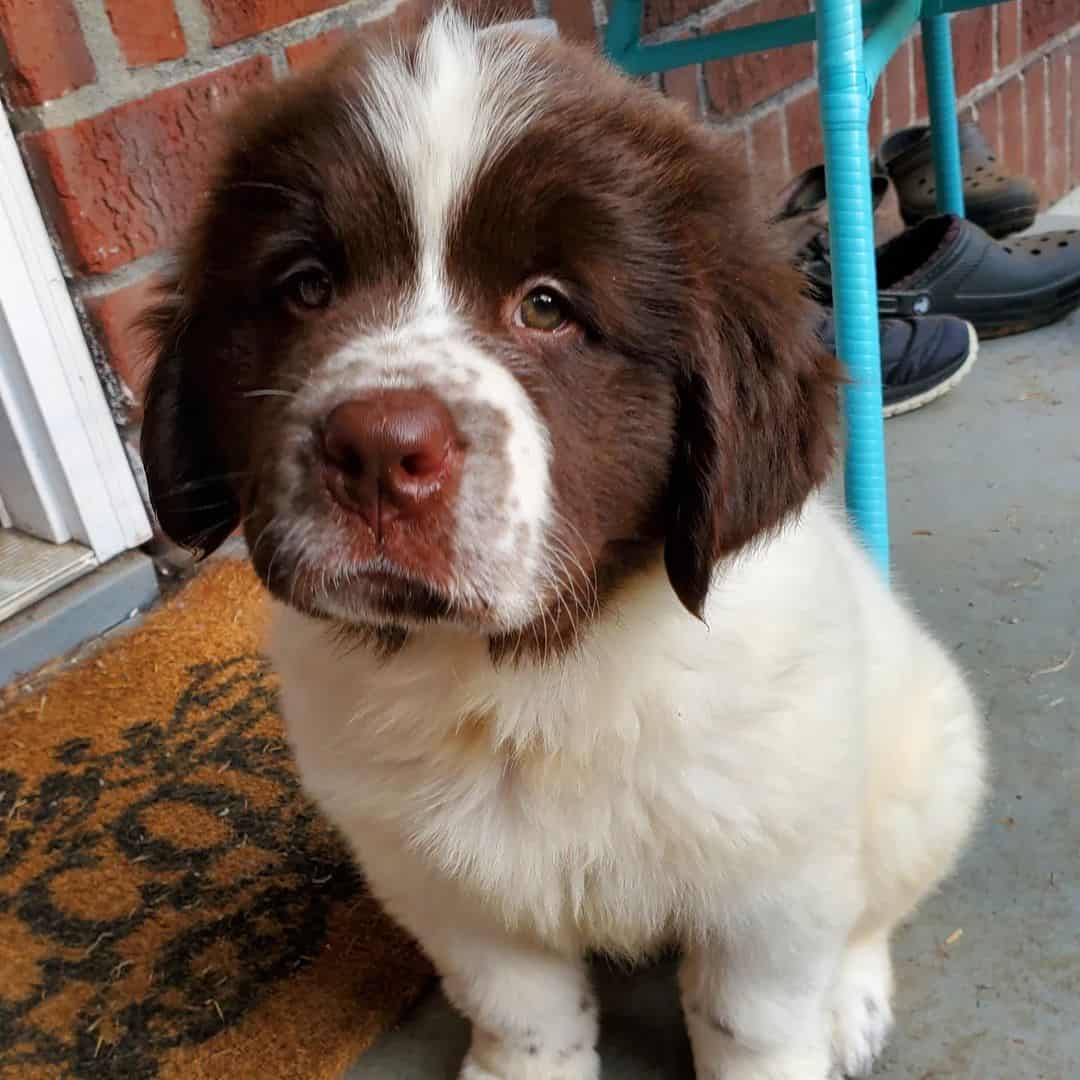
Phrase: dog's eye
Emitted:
{"points": [[543, 309], [309, 287]]}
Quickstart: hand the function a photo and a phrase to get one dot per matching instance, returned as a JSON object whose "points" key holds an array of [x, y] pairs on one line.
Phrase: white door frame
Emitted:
{"points": [[63, 469]]}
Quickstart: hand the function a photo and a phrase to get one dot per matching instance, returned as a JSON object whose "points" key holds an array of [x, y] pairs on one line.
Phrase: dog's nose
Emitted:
{"points": [[390, 454]]}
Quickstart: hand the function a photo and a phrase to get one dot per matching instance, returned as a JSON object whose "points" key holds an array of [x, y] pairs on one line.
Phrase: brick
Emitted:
{"points": [[406, 18], [683, 84], [232, 20], [482, 10], [876, 129], [121, 184], [767, 146], [574, 19], [973, 48], [1074, 114], [736, 84], [922, 100], [46, 54], [898, 88], [410, 15], [1057, 143], [973, 57], [1040, 20], [804, 133], [988, 121], [148, 30], [1035, 123], [660, 13], [1008, 20], [312, 52], [1011, 102], [113, 317], [738, 142]]}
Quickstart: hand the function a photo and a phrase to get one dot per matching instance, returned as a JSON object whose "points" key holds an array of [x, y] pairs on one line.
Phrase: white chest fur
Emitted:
{"points": [[618, 797]]}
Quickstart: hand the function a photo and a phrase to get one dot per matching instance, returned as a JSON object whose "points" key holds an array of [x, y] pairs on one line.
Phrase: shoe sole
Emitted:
{"points": [[1063, 304], [1004, 225], [910, 404]]}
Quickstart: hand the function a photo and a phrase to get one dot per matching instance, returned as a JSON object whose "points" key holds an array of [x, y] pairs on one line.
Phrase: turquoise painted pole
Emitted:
{"points": [[844, 116], [944, 126]]}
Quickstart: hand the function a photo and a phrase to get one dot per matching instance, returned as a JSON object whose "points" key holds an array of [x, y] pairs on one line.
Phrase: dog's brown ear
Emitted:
{"points": [[756, 426], [186, 472]]}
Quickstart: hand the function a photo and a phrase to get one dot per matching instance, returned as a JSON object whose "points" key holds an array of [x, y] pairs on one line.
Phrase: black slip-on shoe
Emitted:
{"points": [[948, 266], [921, 358]]}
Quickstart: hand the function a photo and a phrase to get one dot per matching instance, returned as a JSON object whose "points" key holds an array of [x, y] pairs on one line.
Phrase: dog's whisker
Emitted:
{"points": [[203, 482]]}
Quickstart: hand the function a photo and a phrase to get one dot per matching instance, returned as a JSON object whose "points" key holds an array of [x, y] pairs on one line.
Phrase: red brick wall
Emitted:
{"points": [[114, 102], [1017, 73]]}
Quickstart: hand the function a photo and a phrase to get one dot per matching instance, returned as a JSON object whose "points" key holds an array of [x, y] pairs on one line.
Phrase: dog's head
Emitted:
{"points": [[471, 328]]}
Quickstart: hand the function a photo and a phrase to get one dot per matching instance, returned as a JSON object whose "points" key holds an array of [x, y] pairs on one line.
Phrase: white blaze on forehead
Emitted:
{"points": [[438, 121], [469, 94]]}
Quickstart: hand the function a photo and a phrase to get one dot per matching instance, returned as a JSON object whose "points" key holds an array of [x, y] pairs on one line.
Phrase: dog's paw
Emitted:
{"points": [[785, 1065], [861, 1009], [861, 1028], [574, 1064]]}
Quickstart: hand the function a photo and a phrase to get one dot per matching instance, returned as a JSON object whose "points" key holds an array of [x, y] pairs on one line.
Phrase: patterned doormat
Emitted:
{"points": [[170, 904]]}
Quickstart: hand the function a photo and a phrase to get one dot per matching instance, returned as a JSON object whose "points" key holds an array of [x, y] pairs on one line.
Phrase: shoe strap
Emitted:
{"points": [[896, 303], [892, 303]]}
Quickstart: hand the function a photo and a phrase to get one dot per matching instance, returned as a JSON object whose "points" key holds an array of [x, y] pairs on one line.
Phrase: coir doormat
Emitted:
{"points": [[170, 903]]}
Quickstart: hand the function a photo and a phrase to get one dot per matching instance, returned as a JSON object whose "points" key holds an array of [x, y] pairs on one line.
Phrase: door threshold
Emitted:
{"points": [[82, 611], [31, 569]]}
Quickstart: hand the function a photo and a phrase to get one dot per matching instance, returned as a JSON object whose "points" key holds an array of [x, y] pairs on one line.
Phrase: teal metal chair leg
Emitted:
{"points": [[944, 126], [846, 75], [844, 116]]}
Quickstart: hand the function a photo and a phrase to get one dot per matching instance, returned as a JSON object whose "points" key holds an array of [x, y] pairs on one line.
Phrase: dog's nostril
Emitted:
{"points": [[391, 451], [423, 464], [345, 457], [340, 443]]}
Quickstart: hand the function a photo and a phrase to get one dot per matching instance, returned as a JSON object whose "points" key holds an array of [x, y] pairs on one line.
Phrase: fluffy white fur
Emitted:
{"points": [[773, 792]]}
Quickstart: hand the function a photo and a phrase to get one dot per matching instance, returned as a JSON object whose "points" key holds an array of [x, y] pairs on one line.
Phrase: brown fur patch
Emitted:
{"points": [[690, 412]]}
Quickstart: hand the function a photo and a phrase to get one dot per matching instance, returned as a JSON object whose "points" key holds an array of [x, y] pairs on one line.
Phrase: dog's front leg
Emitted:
{"points": [[533, 1012], [755, 996], [532, 1009]]}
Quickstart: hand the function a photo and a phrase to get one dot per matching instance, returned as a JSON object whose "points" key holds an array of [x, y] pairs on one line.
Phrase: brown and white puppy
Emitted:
{"points": [[489, 351]]}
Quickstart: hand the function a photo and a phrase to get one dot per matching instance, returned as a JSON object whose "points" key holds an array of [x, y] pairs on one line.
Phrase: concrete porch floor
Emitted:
{"points": [[985, 505]]}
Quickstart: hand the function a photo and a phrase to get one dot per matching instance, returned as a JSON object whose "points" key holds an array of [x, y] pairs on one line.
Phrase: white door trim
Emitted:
{"points": [[71, 453]]}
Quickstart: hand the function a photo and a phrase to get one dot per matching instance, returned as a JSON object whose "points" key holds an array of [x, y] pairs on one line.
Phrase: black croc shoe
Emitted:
{"points": [[998, 203], [948, 266], [921, 359]]}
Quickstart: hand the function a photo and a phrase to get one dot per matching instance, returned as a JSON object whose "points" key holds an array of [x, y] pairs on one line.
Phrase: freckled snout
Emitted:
{"points": [[390, 455]]}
